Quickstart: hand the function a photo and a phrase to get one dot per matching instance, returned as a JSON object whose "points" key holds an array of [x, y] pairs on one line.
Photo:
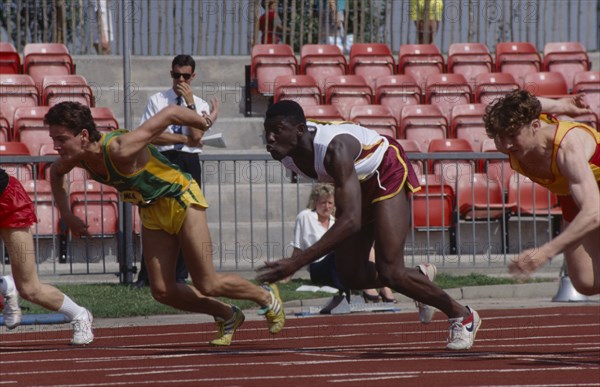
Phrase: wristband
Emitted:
{"points": [[191, 107]]}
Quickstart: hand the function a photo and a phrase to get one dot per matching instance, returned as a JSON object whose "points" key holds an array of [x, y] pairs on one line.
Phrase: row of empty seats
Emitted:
{"points": [[375, 60]]}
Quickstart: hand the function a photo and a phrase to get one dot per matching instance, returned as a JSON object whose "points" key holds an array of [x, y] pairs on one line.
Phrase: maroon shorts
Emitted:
{"points": [[16, 208], [394, 173]]}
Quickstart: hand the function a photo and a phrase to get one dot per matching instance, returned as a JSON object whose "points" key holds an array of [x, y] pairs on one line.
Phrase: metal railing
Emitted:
{"points": [[253, 205], [231, 27]]}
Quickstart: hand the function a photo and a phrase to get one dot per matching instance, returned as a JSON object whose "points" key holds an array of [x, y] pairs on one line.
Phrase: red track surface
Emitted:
{"points": [[542, 347]]}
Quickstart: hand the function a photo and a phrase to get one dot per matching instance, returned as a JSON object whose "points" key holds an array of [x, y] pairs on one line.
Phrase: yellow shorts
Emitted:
{"points": [[168, 214], [417, 9]]}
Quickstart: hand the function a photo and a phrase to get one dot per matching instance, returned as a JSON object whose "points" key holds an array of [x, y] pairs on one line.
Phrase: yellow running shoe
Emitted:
{"points": [[274, 311], [227, 328]]}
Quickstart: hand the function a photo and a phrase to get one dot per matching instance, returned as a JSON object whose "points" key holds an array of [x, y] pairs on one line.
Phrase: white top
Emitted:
{"points": [[366, 162], [161, 100], [308, 230]]}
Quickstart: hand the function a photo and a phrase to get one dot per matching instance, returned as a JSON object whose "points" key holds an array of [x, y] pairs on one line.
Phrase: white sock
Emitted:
{"points": [[7, 284], [70, 309]]}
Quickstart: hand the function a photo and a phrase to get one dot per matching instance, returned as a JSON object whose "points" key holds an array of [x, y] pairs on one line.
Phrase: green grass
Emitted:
{"points": [[114, 300]]}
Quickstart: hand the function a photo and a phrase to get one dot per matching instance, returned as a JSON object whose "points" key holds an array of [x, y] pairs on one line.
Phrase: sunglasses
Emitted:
{"points": [[178, 75]]}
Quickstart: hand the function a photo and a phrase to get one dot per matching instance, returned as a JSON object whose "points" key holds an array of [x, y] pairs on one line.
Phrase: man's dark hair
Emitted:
{"points": [[184, 60], [75, 117], [287, 110], [505, 116]]}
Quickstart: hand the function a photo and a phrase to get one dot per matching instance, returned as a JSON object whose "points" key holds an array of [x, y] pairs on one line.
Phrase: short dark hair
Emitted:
{"points": [[287, 110], [75, 117], [183, 60], [505, 116]]}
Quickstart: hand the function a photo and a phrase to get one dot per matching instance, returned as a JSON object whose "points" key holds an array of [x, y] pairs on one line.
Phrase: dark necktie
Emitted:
{"points": [[177, 128]]}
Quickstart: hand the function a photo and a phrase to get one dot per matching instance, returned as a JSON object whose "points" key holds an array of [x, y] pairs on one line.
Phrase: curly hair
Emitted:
{"points": [[319, 190], [505, 116], [75, 117]]}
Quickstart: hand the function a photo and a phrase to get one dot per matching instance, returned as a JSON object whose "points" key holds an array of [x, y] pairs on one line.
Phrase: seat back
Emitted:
{"points": [[372, 61], [447, 91], [270, 61], [567, 58], [397, 91], [420, 61], [16, 90], [300, 88], [22, 171], [104, 119], [432, 206], [530, 198], [467, 123], [479, 197], [517, 59], [422, 123], [30, 128], [375, 117], [546, 84], [493, 85], [470, 60], [97, 205], [324, 113], [346, 91], [70, 87], [10, 61], [322, 61], [43, 59], [588, 82]]}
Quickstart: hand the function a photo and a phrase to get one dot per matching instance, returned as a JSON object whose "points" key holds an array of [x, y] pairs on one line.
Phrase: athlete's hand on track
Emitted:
{"points": [[275, 271]]}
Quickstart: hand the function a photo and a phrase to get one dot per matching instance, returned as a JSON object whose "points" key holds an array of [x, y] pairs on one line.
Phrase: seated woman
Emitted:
{"points": [[311, 224]]}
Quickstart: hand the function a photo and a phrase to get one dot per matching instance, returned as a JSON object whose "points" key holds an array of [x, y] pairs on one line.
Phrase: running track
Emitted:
{"points": [[558, 346]]}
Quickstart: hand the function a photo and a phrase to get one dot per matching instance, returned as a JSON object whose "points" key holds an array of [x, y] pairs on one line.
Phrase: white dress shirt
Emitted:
{"points": [[308, 230], [161, 100]]}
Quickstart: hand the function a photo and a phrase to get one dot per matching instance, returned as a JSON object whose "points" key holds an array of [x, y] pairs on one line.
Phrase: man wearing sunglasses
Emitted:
{"points": [[180, 144]]}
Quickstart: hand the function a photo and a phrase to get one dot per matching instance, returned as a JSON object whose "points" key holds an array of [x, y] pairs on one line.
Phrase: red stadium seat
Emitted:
{"points": [[397, 91], [451, 169], [21, 171], [412, 146], [43, 59], [10, 61], [496, 169], [422, 123], [322, 61], [467, 123], [47, 213], [420, 61], [97, 205], [517, 59], [326, 113], [71, 87], [433, 205], [530, 198], [270, 61], [470, 60], [346, 91], [588, 82], [30, 128], [375, 117], [5, 129], [300, 88], [372, 61], [16, 90], [567, 58], [479, 197], [104, 119], [493, 85], [545, 84], [447, 91]]}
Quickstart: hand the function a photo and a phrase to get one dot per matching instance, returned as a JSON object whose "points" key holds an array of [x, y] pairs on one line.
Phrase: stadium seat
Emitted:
{"points": [[420, 61], [302, 89], [97, 205], [322, 61], [493, 85], [446, 91], [22, 171], [432, 206], [412, 146], [375, 117], [16, 90], [104, 119], [270, 61], [531, 199], [422, 123], [467, 123], [372, 61], [479, 197], [451, 169], [47, 213], [545, 84], [567, 58], [517, 59], [588, 82], [70, 87], [30, 129], [470, 60], [397, 91], [346, 91], [10, 61], [496, 169], [43, 59], [325, 113], [5, 129]]}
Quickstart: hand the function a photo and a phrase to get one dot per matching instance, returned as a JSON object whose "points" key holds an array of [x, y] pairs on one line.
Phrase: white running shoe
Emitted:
{"points": [[12, 311], [463, 331], [82, 329], [426, 312]]}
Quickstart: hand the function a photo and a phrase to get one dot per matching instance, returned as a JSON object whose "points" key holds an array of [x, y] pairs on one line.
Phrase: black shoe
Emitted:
{"points": [[140, 284]]}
